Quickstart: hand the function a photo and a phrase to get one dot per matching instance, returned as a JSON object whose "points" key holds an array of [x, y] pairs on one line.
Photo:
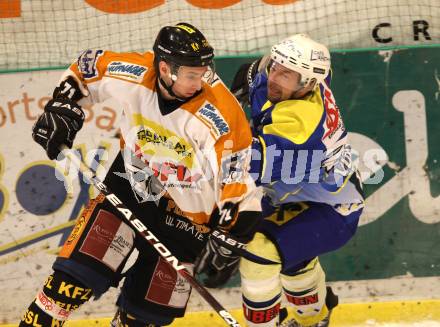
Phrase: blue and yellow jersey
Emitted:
{"points": [[303, 152]]}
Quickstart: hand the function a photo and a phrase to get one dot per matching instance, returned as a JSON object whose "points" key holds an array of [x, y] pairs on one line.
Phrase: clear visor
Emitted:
{"points": [[193, 75], [209, 75], [285, 77]]}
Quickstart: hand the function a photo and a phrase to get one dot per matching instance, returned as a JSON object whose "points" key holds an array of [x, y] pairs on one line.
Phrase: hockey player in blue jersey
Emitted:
{"points": [[312, 195]]}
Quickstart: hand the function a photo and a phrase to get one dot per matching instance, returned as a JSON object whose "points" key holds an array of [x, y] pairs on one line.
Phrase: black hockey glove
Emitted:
{"points": [[242, 80], [231, 230], [217, 262], [58, 125]]}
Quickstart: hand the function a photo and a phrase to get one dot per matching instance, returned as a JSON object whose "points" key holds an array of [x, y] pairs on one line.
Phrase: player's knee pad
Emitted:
{"points": [[305, 290], [60, 296], [260, 283]]}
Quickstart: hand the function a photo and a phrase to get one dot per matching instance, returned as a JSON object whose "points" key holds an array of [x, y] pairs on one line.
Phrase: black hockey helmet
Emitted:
{"points": [[183, 45]]}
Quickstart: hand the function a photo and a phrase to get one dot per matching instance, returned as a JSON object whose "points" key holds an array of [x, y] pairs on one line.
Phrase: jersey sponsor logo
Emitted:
{"points": [[150, 177], [167, 287], [126, 70], [166, 280], [108, 240], [212, 116], [183, 225], [333, 122], [87, 63], [173, 144], [159, 142], [168, 171], [140, 227]]}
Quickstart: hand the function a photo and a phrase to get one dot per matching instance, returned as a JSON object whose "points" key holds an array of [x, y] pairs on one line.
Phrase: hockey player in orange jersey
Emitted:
{"points": [[182, 169]]}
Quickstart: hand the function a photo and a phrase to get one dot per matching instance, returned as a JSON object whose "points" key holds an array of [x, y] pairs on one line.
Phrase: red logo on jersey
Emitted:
{"points": [[165, 169], [332, 113]]}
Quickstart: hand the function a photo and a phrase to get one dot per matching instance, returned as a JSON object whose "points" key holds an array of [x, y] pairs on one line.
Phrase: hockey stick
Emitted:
{"points": [[226, 240], [142, 230]]}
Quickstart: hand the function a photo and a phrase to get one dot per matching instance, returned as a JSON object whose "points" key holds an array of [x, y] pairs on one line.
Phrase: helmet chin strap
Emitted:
{"points": [[169, 88]]}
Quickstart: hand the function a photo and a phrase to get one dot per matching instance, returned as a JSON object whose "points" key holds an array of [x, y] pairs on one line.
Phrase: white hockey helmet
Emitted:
{"points": [[303, 55]]}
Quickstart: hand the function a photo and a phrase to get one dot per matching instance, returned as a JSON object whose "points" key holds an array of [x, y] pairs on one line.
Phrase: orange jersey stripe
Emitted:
{"points": [[235, 190], [81, 223], [144, 60]]}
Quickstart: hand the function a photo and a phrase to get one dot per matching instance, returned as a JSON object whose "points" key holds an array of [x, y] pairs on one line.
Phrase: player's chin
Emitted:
{"points": [[187, 94], [273, 88], [273, 95]]}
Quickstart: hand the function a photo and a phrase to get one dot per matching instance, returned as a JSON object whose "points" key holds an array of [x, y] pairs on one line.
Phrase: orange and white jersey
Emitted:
{"points": [[199, 152]]}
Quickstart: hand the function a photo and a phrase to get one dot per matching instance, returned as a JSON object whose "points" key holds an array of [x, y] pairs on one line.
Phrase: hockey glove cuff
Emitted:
{"points": [[217, 262], [58, 125]]}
